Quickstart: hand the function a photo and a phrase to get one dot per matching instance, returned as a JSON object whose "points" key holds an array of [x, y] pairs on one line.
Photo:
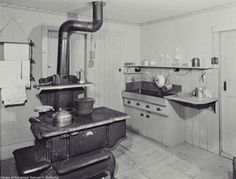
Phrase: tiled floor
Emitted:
{"points": [[140, 158]]}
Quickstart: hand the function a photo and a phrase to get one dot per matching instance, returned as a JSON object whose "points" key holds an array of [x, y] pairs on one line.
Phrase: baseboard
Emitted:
{"points": [[6, 151], [226, 155]]}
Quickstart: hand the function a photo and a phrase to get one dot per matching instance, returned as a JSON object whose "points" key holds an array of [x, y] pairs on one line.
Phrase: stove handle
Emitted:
{"points": [[89, 133], [74, 133], [64, 136]]}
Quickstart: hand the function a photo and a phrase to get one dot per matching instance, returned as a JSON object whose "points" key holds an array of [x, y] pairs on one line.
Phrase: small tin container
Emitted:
{"points": [[195, 62]]}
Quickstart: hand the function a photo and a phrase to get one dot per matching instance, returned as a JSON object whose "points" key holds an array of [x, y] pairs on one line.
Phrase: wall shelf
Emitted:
{"points": [[133, 73], [59, 87], [192, 100], [170, 67]]}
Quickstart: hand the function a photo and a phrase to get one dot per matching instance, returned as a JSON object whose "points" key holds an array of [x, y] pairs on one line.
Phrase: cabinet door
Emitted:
{"points": [[135, 123], [156, 126], [129, 111]]}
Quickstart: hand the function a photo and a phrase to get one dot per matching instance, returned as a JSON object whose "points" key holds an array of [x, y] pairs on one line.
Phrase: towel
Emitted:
{"points": [[13, 95], [10, 73]]}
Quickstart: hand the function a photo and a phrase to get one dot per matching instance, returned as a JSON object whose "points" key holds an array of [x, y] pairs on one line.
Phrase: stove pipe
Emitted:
{"points": [[64, 36]]}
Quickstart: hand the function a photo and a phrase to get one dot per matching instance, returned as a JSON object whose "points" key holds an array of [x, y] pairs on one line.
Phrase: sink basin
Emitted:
{"points": [[151, 93], [150, 88]]}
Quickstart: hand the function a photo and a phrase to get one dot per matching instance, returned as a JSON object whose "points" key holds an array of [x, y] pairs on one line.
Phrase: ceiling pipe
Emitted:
{"points": [[64, 36]]}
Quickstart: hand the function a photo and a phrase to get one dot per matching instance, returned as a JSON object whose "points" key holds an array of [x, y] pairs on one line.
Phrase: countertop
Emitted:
{"points": [[190, 99], [100, 116]]}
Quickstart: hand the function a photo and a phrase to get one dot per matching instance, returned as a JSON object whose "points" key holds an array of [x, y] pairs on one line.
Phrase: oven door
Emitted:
{"points": [[57, 147], [88, 140], [116, 132]]}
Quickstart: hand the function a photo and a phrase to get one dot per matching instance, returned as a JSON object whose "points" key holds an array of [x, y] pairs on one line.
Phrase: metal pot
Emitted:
{"points": [[62, 118], [84, 106], [198, 92]]}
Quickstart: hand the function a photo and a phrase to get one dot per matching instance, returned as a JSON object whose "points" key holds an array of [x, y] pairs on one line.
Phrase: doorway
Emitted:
{"points": [[227, 52]]}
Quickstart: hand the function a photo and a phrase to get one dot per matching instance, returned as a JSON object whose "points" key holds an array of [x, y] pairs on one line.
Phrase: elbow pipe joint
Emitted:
{"points": [[73, 25]]}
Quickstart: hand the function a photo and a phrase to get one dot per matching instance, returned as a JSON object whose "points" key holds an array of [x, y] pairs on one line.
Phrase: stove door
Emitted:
{"points": [[58, 147], [88, 140]]}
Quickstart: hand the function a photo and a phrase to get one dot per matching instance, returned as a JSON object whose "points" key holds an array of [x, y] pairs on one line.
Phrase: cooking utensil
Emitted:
{"points": [[84, 106], [167, 87], [198, 92], [44, 108], [160, 81], [62, 118]]}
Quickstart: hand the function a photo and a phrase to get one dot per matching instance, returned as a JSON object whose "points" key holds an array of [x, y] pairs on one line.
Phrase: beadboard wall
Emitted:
{"points": [[201, 124], [193, 37], [15, 128]]}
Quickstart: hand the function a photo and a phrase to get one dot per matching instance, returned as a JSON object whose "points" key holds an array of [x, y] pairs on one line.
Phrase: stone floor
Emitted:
{"points": [[141, 158]]}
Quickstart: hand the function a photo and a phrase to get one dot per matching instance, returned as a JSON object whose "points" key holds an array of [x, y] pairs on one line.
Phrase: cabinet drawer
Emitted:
{"points": [[147, 106], [155, 108], [162, 110], [142, 105], [128, 102]]}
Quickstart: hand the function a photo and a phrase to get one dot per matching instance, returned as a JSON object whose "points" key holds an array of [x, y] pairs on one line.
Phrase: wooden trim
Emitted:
{"points": [[222, 28], [188, 14], [69, 15]]}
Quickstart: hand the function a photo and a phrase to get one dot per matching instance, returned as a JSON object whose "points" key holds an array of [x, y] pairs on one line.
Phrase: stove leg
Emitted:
{"points": [[113, 167]]}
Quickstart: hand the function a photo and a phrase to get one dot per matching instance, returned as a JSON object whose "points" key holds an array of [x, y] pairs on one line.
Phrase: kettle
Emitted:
{"points": [[62, 118]]}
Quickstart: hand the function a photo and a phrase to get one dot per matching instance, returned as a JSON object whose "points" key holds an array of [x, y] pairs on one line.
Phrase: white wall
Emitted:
{"points": [[15, 128], [193, 36]]}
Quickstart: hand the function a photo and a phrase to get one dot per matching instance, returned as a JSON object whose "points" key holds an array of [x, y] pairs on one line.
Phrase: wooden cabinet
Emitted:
{"points": [[156, 127], [162, 123]]}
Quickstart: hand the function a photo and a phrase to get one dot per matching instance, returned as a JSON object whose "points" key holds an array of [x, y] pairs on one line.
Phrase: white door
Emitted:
{"points": [[76, 53], [108, 80], [228, 91], [52, 53]]}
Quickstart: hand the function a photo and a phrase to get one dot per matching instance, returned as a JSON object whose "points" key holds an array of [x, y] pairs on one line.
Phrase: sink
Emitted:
{"points": [[150, 92], [150, 89]]}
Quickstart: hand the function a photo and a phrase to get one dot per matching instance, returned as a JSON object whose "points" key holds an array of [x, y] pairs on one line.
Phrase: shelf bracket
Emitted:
{"points": [[213, 106]]}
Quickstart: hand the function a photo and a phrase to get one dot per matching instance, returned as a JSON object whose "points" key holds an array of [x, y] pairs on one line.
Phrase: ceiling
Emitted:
{"points": [[132, 11]]}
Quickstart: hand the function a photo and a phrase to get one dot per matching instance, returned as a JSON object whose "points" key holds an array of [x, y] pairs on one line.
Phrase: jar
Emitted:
{"points": [[195, 62]]}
